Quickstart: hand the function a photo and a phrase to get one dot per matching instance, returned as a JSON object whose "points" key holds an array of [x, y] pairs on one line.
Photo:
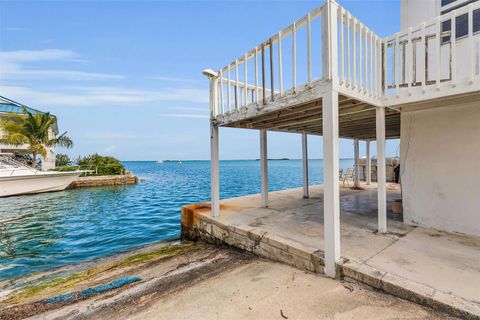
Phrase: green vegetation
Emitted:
{"points": [[33, 129], [62, 160], [102, 165]]}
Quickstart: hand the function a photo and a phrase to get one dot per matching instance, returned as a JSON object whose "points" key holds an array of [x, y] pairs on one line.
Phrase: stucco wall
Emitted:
{"points": [[440, 156], [414, 12]]}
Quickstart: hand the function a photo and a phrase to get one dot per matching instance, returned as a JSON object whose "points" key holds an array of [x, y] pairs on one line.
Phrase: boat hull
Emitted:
{"points": [[36, 183]]}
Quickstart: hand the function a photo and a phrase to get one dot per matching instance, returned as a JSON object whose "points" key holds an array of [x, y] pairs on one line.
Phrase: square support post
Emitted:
{"points": [[356, 146], [264, 167], [214, 171], [381, 171], [305, 165], [214, 154], [331, 197], [368, 163]]}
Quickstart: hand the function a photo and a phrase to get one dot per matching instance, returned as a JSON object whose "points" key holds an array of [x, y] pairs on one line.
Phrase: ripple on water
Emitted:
{"points": [[78, 225]]}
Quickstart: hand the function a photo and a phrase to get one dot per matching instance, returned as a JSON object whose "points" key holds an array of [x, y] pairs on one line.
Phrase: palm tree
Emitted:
{"points": [[32, 129]]}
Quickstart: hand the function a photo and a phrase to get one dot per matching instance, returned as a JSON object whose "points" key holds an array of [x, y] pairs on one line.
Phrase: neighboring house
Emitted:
{"points": [[9, 107], [329, 74]]}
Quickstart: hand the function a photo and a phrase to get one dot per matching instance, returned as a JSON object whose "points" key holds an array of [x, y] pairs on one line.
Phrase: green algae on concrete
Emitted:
{"points": [[56, 285]]}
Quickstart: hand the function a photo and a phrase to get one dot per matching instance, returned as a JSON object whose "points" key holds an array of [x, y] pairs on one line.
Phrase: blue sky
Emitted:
{"points": [[124, 77]]}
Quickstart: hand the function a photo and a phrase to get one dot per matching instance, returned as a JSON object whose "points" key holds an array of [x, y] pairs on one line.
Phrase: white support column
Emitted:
{"points": [[368, 163], [381, 171], [214, 171], [214, 155], [331, 204], [356, 146], [264, 167], [305, 165]]}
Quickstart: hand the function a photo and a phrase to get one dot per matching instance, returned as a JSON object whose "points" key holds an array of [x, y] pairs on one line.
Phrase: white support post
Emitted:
{"points": [[356, 146], [214, 171], [214, 156], [264, 167], [381, 171], [305, 165], [331, 198], [368, 163]]}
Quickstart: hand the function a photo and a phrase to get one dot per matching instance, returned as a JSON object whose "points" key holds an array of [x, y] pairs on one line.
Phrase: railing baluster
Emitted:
{"points": [[280, 64], [384, 52], [220, 81], [236, 84], [425, 53], [341, 58], [379, 66], [472, 43], [359, 55], [396, 62], [354, 56], [228, 88], [409, 60], [245, 78], [309, 50], [453, 47], [272, 79], [372, 63], [256, 75], [294, 57], [347, 52], [365, 60], [439, 52], [263, 75]]}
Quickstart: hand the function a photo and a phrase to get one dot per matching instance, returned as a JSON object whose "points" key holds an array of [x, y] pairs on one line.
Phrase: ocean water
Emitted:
{"points": [[78, 225]]}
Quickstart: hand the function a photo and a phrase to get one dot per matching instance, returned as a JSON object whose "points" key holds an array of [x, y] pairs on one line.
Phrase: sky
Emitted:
{"points": [[124, 77]]}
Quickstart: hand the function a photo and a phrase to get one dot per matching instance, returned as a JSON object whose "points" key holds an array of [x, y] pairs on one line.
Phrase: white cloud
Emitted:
{"points": [[102, 96], [185, 115], [173, 79], [14, 66]]}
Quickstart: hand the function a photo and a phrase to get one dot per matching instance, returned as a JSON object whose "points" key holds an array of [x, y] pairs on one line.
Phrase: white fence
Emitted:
{"points": [[329, 43], [434, 54]]}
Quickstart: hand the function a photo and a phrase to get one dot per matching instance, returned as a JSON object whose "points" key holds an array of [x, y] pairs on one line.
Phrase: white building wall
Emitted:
{"points": [[414, 12], [440, 156], [48, 162]]}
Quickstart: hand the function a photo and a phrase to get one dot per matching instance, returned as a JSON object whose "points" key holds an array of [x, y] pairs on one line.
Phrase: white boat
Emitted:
{"points": [[17, 178], [159, 161]]}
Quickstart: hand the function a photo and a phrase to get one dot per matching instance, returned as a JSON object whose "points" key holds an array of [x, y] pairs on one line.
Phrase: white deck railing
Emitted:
{"points": [[329, 43], [426, 56]]}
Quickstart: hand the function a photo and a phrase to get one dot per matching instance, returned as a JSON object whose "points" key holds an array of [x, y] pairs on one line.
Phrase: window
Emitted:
{"points": [[476, 20], [447, 2], [461, 25]]}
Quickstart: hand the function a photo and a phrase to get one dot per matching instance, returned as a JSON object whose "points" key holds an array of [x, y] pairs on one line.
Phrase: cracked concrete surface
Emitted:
{"points": [[444, 264]]}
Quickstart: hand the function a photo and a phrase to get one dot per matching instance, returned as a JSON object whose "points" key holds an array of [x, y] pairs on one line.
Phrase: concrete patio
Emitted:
{"points": [[434, 268]]}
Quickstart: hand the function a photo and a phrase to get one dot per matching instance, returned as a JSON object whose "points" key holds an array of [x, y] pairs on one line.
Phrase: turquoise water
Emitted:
{"points": [[79, 225]]}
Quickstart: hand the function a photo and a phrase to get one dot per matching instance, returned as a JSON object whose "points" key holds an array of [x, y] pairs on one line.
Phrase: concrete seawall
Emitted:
{"points": [[99, 181]]}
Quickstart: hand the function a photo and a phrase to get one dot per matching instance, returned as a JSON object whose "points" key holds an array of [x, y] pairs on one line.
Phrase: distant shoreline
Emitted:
{"points": [[223, 160]]}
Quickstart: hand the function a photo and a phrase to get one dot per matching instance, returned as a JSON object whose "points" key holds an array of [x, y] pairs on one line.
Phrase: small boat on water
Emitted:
{"points": [[159, 161], [17, 178]]}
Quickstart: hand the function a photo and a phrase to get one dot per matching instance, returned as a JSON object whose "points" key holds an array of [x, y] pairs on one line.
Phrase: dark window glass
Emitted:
{"points": [[461, 25], [445, 2], [476, 20], [446, 26]]}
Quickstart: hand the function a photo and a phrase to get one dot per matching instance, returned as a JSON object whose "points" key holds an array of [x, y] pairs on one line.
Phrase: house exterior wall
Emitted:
{"points": [[440, 152], [414, 12]]}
